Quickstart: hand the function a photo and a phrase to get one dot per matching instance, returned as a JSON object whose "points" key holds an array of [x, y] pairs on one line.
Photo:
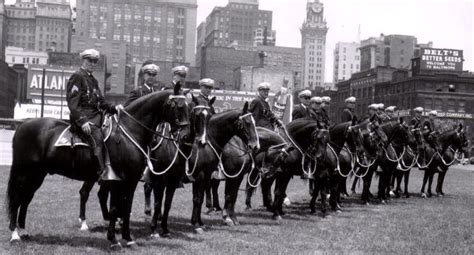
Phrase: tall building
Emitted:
{"points": [[164, 30], [239, 22], [3, 29], [46, 26], [21, 24], [346, 60], [53, 25], [287, 58], [313, 42], [391, 50]]}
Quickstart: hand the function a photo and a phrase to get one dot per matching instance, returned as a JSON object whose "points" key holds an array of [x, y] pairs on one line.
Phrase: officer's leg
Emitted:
{"points": [[99, 149]]}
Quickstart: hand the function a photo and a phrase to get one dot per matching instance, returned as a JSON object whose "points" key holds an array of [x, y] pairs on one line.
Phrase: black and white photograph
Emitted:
{"points": [[237, 126]]}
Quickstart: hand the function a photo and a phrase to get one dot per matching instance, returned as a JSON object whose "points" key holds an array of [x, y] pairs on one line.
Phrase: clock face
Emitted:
{"points": [[317, 8]]}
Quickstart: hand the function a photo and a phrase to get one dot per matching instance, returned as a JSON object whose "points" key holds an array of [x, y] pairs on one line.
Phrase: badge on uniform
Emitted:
{"points": [[74, 89]]}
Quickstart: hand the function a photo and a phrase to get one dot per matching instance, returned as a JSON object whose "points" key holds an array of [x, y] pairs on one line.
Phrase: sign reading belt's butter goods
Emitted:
{"points": [[441, 59], [54, 83]]}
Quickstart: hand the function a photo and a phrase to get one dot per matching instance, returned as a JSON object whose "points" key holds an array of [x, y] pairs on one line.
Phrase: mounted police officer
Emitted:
{"points": [[390, 112], [261, 110], [87, 105], [150, 72], [381, 113], [430, 131], [302, 110], [179, 75], [416, 120], [348, 112], [326, 101], [206, 85], [316, 110]]}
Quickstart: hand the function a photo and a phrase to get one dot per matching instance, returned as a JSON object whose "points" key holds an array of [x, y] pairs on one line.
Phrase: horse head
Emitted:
{"points": [[200, 116], [354, 140], [319, 140], [246, 129], [378, 134], [175, 110]]}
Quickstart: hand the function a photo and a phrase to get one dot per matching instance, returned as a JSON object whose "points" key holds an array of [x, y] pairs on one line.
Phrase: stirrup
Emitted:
{"points": [[109, 174]]}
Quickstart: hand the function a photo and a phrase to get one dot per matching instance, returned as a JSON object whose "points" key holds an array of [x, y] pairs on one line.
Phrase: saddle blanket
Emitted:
{"points": [[66, 138]]}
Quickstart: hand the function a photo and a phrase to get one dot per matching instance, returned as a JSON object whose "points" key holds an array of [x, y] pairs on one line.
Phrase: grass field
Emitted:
{"points": [[438, 225]]}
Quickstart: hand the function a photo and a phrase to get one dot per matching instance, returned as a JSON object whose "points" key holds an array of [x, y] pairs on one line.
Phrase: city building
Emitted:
{"points": [[8, 90], [21, 28], [391, 50], [346, 60], [164, 30], [53, 25], [219, 63], [246, 78], [239, 22], [3, 30], [313, 42], [264, 37], [16, 55], [288, 58], [45, 26], [117, 58]]}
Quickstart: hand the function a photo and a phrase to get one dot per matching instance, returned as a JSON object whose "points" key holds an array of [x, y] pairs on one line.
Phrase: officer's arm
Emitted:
{"points": [[296, 114], [104, 105], [74, 91], [253, 108], [132, 97]]}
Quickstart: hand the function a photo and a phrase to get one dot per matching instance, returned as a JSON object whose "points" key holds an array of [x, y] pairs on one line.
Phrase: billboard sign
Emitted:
{"points": [[441, 59], [54, 83]]}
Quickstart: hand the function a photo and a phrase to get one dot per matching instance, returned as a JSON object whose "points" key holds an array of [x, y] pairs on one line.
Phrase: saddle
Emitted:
{"points": [[72, 139]]}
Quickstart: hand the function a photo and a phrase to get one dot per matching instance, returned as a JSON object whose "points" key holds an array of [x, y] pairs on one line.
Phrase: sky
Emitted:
{"points": [[447, 23]]}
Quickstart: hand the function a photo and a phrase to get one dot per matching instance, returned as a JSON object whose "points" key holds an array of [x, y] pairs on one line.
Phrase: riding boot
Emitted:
{"points": [[106, 173]]}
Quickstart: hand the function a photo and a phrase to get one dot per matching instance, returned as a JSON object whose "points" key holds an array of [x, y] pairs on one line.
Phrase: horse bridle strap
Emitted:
{"points": [[141, 124]]}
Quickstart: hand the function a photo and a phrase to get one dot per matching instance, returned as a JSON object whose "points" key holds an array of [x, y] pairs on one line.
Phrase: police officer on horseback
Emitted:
{"points": [[150, 72], [302, 110], [206, 85], [416, 120], [261, 111], [429, 129], [179, 76], [87, 105], [326, 101], [316, 110], [390, 112], [348, 112]]}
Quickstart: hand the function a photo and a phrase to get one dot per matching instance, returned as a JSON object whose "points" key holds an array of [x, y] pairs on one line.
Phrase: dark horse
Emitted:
{"points": [[172, 161], [206, 157], [238, 162], [310, 141], [451, 143], [34, 156]]}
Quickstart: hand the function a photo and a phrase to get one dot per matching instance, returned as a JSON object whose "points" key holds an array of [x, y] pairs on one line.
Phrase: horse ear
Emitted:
{"points": [[246, 108], [194, 99], [177, 88], [211, 102]]}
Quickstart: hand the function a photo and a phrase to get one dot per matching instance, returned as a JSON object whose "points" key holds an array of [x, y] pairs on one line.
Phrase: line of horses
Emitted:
{"points": [[194, 144]]}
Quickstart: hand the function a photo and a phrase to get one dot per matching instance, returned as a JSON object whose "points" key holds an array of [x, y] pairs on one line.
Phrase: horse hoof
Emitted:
{"points": [[407, 195], [367, 203], [423, 195], [392, 193], [236, 222], [430, 195], [248, 208], [84, 226], [211, 210], [166, 235], [228, 222], [15, 237], [338, 211], [155, 235], [116, 246], [287, 201], [277, 218], [131, 244], [199, 231], [383, 201]]}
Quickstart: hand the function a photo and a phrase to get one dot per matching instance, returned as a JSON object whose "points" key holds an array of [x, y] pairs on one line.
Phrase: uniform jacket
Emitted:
{"points": [[325, 117], [415, 122], [347, 115], [84, 99], [204, 100], [137, 93], [300, 111], [262, 113]]}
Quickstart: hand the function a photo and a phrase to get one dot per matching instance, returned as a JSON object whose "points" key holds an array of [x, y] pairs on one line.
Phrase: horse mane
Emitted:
{"points": [[268, 138], [338, 133], [301, 130], [141, 101]]}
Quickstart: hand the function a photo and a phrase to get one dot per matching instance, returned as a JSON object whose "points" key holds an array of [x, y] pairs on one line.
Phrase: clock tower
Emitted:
{"points": [[313, 42]]}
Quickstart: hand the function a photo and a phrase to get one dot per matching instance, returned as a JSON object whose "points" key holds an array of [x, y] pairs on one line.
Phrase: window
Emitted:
{"points": [[451, 105], [462, 106]]}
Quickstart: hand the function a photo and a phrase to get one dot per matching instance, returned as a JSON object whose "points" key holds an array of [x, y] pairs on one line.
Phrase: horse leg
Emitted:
{"points": [[366, 187], [232, 189], [314, 196], [84, 194], [398, 176], [430, 182], [323, 194], [158, 191], [166, 211], [147, 189], [103, 195], [266, 185], [354, 184], [208, 196], [198, 194], [27, 196], [425, 179], [381, 186], [249, 190], [407, 177], [127, 209], [439, 185], [115, 203], [215, 195], [280, 192]]}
